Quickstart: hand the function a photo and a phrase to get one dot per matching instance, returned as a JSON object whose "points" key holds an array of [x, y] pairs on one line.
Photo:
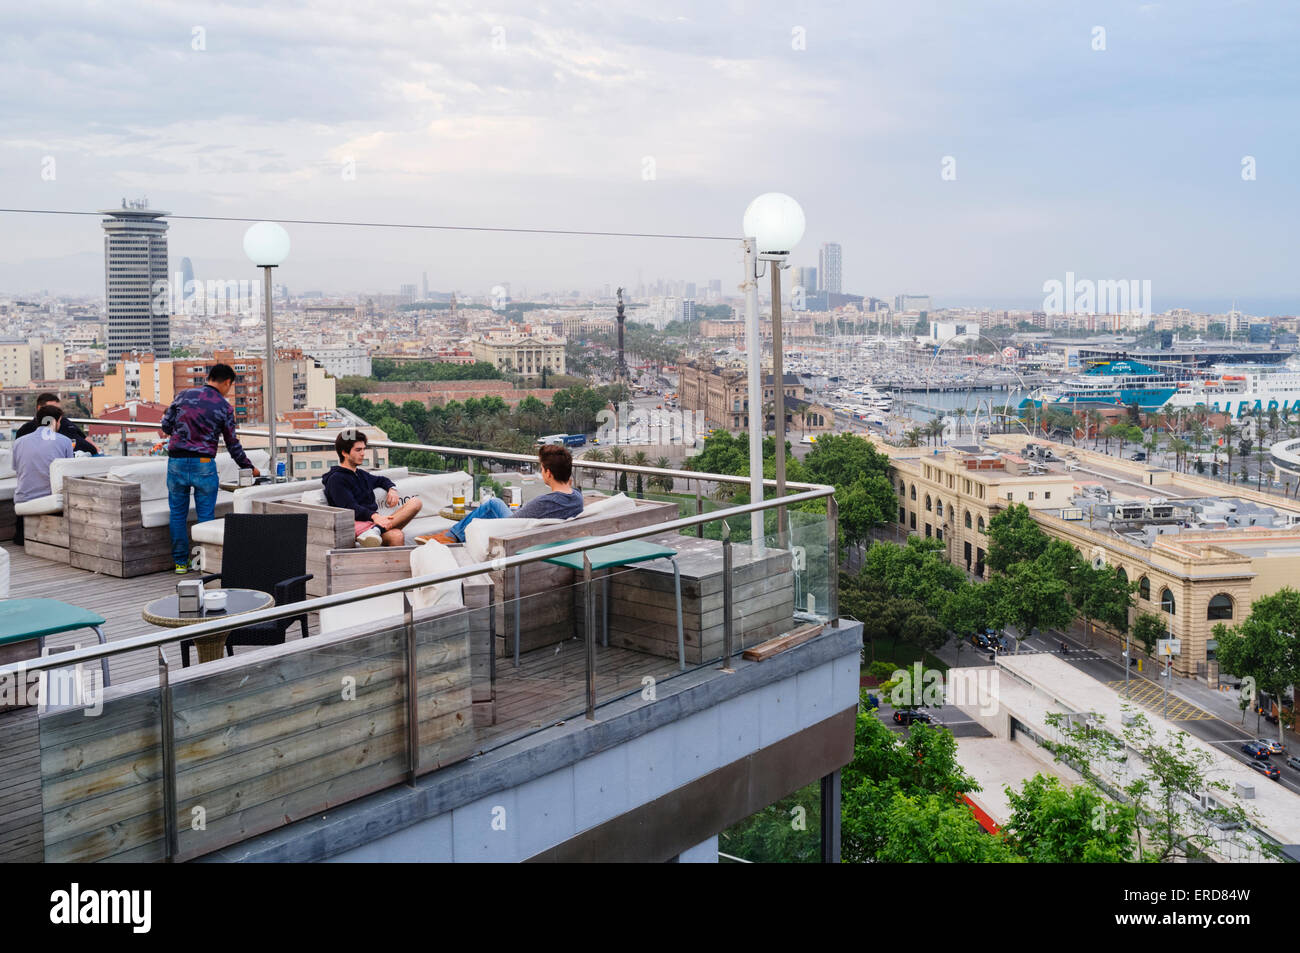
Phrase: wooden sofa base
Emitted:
{"points": [[105, 534], [8, 521], [46, 537]]}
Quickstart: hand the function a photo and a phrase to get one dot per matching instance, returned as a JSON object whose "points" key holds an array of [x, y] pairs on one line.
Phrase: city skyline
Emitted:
{"points": [[950, 179]]}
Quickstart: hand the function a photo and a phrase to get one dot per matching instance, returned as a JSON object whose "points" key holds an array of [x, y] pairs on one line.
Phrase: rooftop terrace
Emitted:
{"points": [[264, 741]]}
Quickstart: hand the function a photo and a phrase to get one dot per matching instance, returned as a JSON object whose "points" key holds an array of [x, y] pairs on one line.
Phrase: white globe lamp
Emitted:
{"points": [[776, 221], [266, 244]]}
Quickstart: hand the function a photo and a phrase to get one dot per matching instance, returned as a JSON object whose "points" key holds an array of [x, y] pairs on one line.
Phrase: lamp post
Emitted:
{"points": [[776, 223], [267, 246]]}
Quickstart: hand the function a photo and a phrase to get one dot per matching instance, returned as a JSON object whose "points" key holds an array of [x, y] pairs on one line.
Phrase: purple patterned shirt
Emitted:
{"points": [[196, 419]]}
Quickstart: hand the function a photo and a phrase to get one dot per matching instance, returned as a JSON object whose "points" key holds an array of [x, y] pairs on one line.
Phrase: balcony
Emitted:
{"points": [[561, 698]]}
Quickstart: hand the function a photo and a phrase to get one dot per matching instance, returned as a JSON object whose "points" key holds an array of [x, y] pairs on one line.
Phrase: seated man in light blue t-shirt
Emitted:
{"points": [[33, 454], [564, 500]]}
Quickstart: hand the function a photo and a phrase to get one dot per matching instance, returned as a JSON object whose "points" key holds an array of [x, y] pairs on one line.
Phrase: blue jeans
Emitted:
{"points": [[493, 509], [184, 474]]}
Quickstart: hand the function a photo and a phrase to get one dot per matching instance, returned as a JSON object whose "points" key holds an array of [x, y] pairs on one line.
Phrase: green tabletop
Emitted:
{"points": [[602, 557], [22, 619]]}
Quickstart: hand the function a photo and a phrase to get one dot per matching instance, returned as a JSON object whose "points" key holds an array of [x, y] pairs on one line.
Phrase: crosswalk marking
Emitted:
{"points": [[1151, 696]]}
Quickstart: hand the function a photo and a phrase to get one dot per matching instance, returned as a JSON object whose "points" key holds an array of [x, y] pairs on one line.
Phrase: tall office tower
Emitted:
{"points": [[135, 259], [715, 288], [830, 260], [407, 292], [187, 276], [689, 290], [806, 278], [424, 286]]}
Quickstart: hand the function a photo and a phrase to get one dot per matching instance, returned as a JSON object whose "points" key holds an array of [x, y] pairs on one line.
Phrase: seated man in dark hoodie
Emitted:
{"points": [[349, 487]]}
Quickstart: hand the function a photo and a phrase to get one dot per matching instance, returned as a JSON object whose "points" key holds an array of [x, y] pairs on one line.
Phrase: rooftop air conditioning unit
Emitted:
{"points": [[1245, 791]]}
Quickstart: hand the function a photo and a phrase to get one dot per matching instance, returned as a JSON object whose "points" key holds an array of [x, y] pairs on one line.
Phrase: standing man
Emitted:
{"points": [[195, 421], [349, 487], [33, 454], [66, 427]]}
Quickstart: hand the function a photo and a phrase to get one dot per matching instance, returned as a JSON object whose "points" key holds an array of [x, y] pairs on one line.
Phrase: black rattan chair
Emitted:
{"points": [[269, 553]]}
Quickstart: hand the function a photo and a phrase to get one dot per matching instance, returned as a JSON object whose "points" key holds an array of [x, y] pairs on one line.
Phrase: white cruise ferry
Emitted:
{"points": [[1240, 389]]}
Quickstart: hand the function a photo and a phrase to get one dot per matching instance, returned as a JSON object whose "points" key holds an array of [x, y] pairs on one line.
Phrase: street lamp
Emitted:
{"points": [[267, 246], [774, 224]]}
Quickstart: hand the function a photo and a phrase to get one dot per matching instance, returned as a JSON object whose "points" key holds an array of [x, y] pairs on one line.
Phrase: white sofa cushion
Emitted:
{"points": [[387, 610], [213, 531], [433, 557], [41, 506], [152, 474], [158, 512], [68, 467], [610, 506], [480, 532], [7, 464], [7, 487]]}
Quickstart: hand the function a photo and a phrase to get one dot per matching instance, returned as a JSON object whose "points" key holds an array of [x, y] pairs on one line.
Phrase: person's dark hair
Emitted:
{"points": [[344, 443], [47, 398], [558, 460], [220, 373], [50, 412]]}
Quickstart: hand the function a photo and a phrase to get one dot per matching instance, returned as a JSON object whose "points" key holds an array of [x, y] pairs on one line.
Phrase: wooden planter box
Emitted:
{"points": [[546, 614], [104, 530], [642, 611]]}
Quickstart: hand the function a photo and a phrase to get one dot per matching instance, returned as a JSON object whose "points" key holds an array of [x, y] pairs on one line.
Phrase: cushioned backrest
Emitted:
{"points": [[317, 495], [151, 474], [610, 506], [84, 466], [434, 489], [479, 533], [6, 464]]}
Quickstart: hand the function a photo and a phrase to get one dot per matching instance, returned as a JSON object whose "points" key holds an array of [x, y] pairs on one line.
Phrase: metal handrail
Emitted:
{"points": [[453, 452], [202, 629]]}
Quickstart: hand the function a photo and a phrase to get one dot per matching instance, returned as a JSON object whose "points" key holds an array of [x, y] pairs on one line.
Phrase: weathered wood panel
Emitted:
{"points": [[261, 740]]}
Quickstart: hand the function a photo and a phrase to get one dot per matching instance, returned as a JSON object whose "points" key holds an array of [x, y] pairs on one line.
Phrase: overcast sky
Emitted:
{"points": [[1116, 163]]}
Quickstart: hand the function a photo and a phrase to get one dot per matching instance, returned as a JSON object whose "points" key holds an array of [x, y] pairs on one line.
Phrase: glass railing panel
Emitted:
{"points": [[810, 548]]}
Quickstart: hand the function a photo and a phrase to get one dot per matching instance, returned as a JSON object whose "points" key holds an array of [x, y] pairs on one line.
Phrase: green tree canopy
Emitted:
{"points": [[1055, 824], [1014, 537]]}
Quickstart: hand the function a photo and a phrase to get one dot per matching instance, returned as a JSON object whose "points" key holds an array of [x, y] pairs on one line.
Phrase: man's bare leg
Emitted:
{"points": [[393, 536]]}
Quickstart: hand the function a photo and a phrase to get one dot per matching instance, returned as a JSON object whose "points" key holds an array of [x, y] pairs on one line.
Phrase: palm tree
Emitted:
{"points": [[664, 483], [913, 437], [595, 456], [641, 460], [1229, 431], [618, 455]]}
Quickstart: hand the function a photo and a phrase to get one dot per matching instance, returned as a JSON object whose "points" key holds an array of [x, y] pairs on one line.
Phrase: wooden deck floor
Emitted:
{"points": [[549, 685]]}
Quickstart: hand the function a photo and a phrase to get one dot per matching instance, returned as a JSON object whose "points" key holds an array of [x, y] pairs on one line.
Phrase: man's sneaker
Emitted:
{"points": [[182, 569], [371, 537]]}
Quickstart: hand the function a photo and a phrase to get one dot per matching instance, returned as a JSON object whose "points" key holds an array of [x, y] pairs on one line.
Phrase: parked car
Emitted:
{"points": [[1293, 762], [1267, 769], [1255, 749], [906, 716], [1272, 744], [1140, 455]]}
